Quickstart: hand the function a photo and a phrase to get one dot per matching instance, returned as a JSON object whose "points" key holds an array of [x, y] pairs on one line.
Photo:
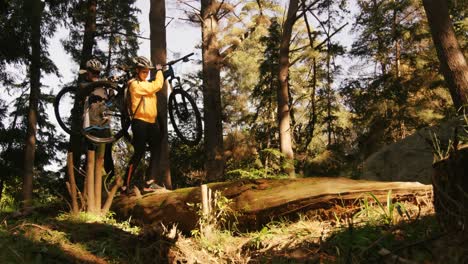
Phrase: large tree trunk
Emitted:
{"points": [[36, 8], [160, 167], [76, 140], [451, 191], [72, 189], [90, 199], [452, 61], [283, 88], [212, 110], [258, 202], [98, 169], [2, 183], [89, 33]]}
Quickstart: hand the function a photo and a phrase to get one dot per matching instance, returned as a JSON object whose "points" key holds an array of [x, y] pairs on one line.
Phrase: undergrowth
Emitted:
{"points": [[374, 232]]}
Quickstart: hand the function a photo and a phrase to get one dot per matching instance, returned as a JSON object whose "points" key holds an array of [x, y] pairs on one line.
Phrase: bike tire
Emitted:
{"points": [[185, 117], [116, 111], [63, 108]]}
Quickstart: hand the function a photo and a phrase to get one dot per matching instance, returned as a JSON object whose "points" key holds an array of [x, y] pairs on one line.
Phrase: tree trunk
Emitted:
{"points": [[36, 8], [451, 191], [313, 118], [160, 165], [73, 187], [76, 140], [212, 110], [258, 202], [90, 201], [98, 169], [283, 88], [89, 33], [2, 184], [452, 61], [329, 91]]}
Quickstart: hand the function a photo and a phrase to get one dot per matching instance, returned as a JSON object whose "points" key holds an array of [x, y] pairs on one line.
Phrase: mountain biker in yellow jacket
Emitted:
{"points": [[145, 128], [143, 94]]}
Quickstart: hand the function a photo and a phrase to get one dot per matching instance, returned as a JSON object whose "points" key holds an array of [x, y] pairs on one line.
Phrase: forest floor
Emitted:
{"points": [[369, 233]]}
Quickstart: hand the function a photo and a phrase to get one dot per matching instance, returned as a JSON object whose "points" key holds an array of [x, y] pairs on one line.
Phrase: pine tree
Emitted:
{"points": [[264, 94]]}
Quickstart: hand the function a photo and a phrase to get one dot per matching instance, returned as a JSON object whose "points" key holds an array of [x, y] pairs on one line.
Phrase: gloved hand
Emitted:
{"points": [[168, 72]]}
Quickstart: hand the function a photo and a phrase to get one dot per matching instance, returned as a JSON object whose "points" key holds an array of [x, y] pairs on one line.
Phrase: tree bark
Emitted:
{"points": [[98, 169], [283, 88], [76, 140], [452, 61], [36, 9], [160, 165], [89, 33], [72, 181], [258, 202], [111, 195], [212, 110], [451, 191], [90, 201], [2, 184]]}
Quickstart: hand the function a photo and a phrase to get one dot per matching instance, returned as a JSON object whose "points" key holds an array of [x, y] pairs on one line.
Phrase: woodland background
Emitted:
{"points": [[282, 99]]}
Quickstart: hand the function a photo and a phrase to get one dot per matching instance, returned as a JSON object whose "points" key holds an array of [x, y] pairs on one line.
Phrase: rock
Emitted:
{"points": [[410, 159]]}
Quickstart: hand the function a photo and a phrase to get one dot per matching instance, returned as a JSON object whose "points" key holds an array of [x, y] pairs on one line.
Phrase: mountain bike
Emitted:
{"points": [[183, 111]]}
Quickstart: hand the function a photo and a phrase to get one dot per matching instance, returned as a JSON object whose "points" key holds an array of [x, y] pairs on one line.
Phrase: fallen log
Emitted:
{"points": [[260, 201]]}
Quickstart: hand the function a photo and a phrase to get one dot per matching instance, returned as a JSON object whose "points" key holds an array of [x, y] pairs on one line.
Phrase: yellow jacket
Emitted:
{"points": [[145, 92]]}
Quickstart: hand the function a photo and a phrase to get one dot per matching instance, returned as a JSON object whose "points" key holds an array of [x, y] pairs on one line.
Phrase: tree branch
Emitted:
{"points": [[123, 34], [321, 43], [306, 9], [196, 9]]}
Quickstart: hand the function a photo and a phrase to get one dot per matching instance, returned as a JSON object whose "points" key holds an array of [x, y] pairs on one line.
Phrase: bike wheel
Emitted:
{"points": [[185, 117], [63, 109], [117, 119]]}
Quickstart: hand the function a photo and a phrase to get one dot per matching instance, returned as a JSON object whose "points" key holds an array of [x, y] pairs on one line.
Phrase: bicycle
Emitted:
{"points": [[183, 111]]}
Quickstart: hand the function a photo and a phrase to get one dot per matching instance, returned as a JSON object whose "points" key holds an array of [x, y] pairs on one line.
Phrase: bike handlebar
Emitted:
{"points": [[184, 58]]}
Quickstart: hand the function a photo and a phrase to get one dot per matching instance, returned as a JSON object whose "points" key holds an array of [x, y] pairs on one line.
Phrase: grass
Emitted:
{"points": [[361, 237]]}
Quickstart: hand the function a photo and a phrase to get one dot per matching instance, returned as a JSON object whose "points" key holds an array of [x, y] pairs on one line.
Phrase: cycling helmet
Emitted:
{"points": [[143, 62], [93, 65]]}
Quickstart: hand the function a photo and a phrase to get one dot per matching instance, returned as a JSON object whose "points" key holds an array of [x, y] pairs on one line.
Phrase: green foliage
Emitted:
{"points": [[84, 217], [264, 94], [361, 244], [259, 237], [215, 228], [8, 204], [270, 163], [383, 214], [442, 150], [329, 162], [186, 163], [389, 102], [241, 66], [116, 25], [221, 216]]}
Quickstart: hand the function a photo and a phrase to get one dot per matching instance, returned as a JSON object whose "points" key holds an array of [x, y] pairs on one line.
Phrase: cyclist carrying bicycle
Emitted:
{"points": [[143, 109], [94, 119]]}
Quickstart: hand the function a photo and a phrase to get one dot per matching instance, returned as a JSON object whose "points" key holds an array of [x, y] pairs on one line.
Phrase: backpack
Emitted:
{"points": [[129, 114]]}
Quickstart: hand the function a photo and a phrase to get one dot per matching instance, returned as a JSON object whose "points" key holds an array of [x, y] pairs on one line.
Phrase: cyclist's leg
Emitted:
{"points": [[154, 140], [108, 161], [139, 129]]}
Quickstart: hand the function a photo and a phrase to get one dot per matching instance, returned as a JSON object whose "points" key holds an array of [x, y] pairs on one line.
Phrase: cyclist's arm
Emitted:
{"points": [[147, 88]]}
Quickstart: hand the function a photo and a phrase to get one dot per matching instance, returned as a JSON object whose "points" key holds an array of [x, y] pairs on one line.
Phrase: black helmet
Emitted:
{"points": [[143, 62]]}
